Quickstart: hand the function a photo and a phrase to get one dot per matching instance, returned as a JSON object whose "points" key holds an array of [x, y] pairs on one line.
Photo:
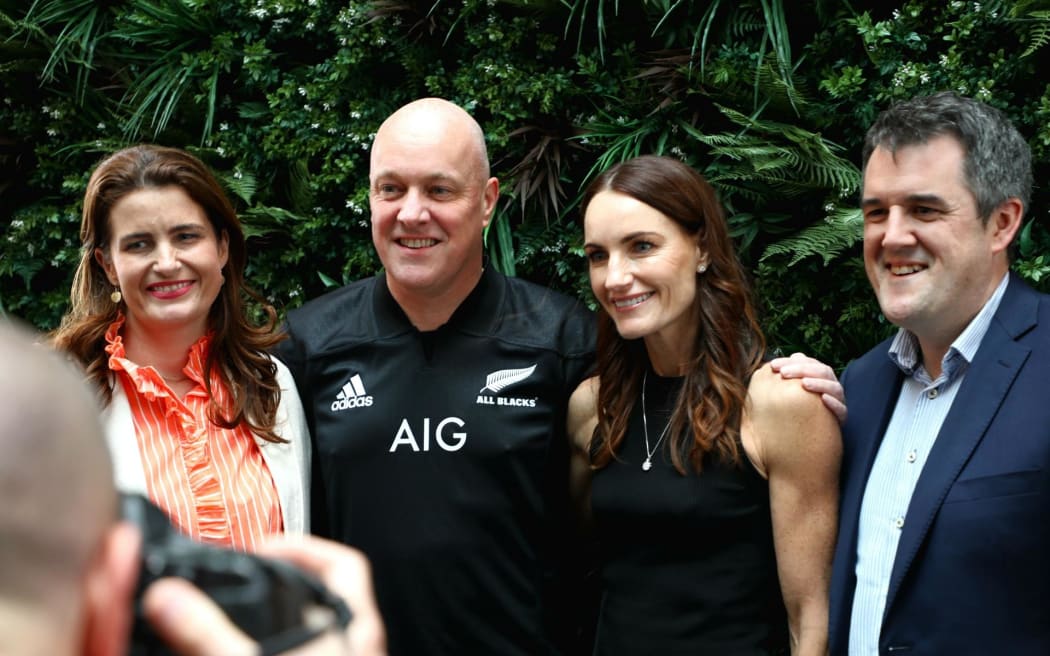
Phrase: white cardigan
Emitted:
{"points": [[289, 462]]}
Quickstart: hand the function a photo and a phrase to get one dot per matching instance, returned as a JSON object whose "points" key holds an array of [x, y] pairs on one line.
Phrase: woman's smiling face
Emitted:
{"points": [[643, 269], [166, 258]]}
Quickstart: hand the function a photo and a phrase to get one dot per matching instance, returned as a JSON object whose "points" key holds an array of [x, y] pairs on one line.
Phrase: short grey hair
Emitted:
{"points": [[997, 164]]}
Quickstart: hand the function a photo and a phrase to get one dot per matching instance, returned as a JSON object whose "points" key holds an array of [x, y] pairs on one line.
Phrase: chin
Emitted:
{"points": [[898, 316], [631, 332]]}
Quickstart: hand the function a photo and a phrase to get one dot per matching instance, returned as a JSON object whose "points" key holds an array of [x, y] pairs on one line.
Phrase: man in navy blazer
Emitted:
{"points": [[944, 534]]}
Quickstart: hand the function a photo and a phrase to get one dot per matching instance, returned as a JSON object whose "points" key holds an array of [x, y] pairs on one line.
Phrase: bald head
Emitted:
{"points": [[434, 121], [431, 198], [56, 482]]}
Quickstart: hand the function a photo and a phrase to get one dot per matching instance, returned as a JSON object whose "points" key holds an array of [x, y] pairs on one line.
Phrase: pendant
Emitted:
{"points": [[647, 465]]}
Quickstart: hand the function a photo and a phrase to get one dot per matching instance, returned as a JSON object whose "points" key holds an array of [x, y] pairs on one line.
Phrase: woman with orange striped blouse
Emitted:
{"points": [[198, 416]]}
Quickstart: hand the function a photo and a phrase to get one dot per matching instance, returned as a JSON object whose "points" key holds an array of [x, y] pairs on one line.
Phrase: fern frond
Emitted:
{"points": [[498, 380], [842, 229], [243, 185], [1040, 32]]}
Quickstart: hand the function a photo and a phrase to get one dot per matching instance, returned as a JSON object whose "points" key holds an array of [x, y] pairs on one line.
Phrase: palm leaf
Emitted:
{"points": [[83, 24]]}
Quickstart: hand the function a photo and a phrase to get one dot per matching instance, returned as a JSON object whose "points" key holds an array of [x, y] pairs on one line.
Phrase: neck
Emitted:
{"points": [[931, 358], [166, 351], [665, 359], [670, 349], [428, 310], [935, 340]]}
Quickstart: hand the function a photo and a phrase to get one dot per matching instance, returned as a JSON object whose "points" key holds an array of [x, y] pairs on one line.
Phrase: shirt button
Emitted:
{"points": [[911, 456], [932, 394], [899, 522]]}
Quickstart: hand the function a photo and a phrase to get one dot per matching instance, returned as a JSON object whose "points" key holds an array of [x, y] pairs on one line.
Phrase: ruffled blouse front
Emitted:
{"points": [[211, 481]]}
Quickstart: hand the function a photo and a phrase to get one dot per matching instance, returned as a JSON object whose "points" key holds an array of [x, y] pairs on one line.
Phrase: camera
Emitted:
{"points": [[276, 604]]}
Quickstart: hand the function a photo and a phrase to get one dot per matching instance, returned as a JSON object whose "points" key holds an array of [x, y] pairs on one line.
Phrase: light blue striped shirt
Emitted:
{"points": [[921, 408]]}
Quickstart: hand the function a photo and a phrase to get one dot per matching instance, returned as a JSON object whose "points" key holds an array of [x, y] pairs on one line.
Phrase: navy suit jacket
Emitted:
{"points": [[972, 570]]}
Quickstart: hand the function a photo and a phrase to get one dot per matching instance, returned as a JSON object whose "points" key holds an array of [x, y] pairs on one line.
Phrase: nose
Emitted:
{"points": [[167, 259], [897, 231], [413, 207], [618, 274]]}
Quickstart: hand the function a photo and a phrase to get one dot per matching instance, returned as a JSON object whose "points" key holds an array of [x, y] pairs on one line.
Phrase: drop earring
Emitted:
{"points": [[115, 296]]}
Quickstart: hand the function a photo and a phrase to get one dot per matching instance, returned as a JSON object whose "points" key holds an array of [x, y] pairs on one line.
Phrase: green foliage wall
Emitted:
{"points": [[281, 97]]}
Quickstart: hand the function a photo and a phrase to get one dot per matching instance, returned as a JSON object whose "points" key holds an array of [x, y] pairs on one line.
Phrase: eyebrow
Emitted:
{"points": [[175, 228], [629, 237], [132, 235], [430, 177], [923, 199]]}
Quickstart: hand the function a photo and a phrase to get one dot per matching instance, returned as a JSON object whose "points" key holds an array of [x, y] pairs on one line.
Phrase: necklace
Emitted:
{"points": [[648, 464]]}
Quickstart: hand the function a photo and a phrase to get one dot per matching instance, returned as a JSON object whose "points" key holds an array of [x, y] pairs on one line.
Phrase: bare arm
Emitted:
{"points": [[580, 423], [794, 439]]}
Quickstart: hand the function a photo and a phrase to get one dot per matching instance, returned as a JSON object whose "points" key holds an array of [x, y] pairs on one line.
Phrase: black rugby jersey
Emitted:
{"points": [[443, 455]]}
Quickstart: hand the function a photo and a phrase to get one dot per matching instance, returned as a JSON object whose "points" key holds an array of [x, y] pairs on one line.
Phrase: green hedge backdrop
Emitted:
{"points": [[769, 99]]}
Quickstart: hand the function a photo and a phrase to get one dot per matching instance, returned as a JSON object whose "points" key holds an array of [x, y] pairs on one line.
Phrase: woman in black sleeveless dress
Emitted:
{"points": [[712, 483]]}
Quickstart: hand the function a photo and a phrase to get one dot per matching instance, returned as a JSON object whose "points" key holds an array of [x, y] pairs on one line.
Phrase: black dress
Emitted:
{"points": [[688, 565]]}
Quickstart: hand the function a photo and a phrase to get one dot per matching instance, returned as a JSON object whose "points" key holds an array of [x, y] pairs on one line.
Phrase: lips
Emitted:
{"points": [[417, 243], [172, 289], [631, 301], [905, 269]]}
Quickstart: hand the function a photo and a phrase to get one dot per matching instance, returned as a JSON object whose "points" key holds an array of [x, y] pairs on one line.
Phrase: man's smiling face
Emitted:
{"points": [[929, 257]]}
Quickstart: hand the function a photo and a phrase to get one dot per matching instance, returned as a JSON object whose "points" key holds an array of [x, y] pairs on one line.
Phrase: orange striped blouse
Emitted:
{"points": [[212, 482]]}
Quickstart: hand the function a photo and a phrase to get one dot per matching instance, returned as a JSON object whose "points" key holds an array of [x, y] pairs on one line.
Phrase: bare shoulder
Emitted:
{"points": [[582, 414], [788, 420], [770, 394]]}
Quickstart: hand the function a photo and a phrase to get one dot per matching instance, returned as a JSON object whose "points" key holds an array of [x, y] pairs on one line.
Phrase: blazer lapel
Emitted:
{"points": [[871, 402], [872, 385]]}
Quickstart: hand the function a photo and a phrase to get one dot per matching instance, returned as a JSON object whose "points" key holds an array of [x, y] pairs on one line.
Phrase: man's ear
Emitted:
{"points": [[109, 586], [1005, 222], [490, 196]]}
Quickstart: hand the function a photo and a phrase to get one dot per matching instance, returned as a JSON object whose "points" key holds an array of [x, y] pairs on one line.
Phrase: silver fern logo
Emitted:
{"points": [[500, 380]]}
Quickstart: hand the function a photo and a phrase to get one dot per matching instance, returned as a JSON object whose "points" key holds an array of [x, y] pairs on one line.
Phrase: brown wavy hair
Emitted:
{"points": [[729, 344], [238, 350]]}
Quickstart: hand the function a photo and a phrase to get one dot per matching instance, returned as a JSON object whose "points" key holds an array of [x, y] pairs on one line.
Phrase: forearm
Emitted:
{"points": [[809, 629]]}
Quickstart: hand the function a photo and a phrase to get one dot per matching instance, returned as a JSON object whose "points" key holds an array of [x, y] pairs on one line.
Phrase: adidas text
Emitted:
{"points": [[355, 402]]}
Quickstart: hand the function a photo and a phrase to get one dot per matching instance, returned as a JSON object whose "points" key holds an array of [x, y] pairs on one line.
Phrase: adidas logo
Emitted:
{"points": [[352, 395]]}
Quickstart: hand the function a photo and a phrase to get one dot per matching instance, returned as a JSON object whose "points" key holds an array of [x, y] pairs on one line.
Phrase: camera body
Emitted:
{"points": [[275, 603]]}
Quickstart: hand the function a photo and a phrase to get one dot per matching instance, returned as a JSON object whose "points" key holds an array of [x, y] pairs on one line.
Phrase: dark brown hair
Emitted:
{"points": [[238, 351], [729, 344]]}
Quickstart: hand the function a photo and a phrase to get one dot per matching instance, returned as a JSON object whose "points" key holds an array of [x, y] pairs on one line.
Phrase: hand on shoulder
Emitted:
{"points": [[816, 377]]}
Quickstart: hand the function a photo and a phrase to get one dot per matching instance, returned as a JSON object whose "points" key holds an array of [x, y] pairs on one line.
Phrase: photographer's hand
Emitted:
{"points": [[190, 623], [346, 572], [193, 625]]}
